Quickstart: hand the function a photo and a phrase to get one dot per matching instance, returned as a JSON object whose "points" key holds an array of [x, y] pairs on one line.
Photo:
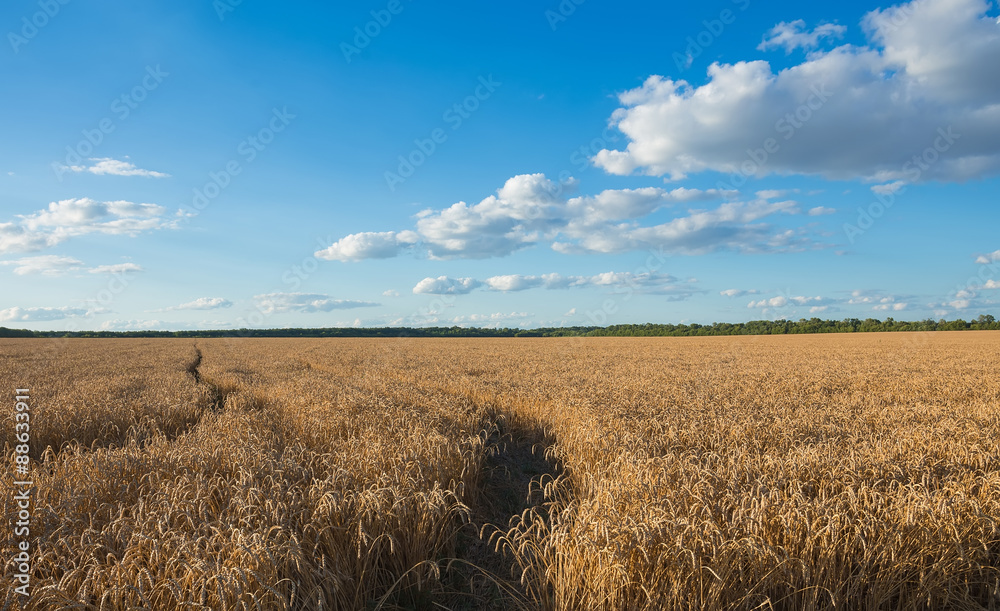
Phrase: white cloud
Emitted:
{"points": [[773, 302], [991, 284], [731, 226], [272, 303], [530, 209], [967, 297], [992, 257], [57, 265], [133, 325], [818, 309], [792, 35], [514, 282], [390, 293], [889, 188], [646, 282], [45, 265], [15, 238], [649, 283], [117, 268], [773, 193], [203, 303], [443, 285], [738, 292], [880, 302], [821, 210], [368, 245], [864, 297], [85, 215], [114, 167], [17, 314], [74, 217], [489, 320], [620, 282], [781, 301], [928, 79]]}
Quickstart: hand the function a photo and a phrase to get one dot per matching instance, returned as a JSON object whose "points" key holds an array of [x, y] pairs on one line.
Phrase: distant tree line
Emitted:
{"points": [[755, 327]]}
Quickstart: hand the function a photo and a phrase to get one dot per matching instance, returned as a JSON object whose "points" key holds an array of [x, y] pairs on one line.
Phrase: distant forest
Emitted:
{"points": [[756, 327]]}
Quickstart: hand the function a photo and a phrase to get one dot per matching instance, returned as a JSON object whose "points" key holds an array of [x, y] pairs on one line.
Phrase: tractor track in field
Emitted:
{"points": [[515, 468], [216, 396]]}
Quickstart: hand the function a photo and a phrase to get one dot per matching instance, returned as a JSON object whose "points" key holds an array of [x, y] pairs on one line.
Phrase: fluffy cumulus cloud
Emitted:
{"points": [[368, 245], [531, 209], [114, 167], [203, 303], [890, 188], [649, 283], [993, 257], [878, 301], [517, 282], [276, 303], [919, 102], [74, 217], [895, 307], [443, 285], [782, 301], [134, 325], [15, 238], [17, 314], [117, 268], [821, 211], [497, 319], [969, 297], [794, 35], [738, 292]]}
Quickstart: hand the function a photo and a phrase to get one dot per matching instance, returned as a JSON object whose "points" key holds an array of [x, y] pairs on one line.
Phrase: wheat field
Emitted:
{"points": [[856, 471]]}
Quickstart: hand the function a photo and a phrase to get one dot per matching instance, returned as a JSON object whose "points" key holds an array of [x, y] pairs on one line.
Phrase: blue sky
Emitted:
{"points": [[259, 164]]}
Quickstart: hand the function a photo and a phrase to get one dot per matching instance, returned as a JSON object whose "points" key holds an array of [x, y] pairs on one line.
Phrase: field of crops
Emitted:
{"points": [[856, 471]]}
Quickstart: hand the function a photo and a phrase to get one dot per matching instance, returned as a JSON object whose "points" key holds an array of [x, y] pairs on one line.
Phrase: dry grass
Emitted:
{"points": [[808, 472]]}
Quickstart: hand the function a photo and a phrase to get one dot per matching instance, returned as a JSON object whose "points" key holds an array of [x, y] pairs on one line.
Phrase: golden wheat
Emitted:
{"points": [[807, 472]]}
